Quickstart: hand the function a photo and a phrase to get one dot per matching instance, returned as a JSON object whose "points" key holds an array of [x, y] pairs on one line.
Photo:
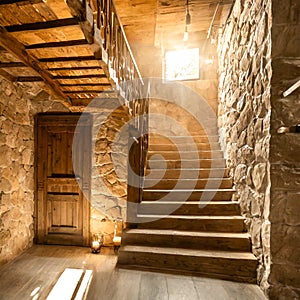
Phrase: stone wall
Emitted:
{"points": [[18, 105], [285, 153], [244, 117], [149, 60], [109, 172]]}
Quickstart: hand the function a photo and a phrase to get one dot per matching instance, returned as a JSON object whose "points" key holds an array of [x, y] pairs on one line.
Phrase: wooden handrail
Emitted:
{"points": [[116, 50], [127, 43], [122, 68]]}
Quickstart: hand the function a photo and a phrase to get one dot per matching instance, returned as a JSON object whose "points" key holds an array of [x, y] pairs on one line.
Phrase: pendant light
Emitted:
{"points": [[187, 22]]}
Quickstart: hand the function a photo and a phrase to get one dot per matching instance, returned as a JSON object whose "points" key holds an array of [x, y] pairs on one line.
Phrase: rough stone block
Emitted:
{"points": [[285, 275]]}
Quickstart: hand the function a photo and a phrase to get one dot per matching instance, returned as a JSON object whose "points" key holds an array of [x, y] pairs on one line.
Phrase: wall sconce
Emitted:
{"points": [[117, 234], [96, 243]]}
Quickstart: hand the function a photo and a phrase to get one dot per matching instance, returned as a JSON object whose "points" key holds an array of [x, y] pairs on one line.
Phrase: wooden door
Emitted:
{"points": [[63, 211]]}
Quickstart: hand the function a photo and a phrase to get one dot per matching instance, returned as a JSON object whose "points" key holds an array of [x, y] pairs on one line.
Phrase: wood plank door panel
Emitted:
{"points": [[62, 208]]}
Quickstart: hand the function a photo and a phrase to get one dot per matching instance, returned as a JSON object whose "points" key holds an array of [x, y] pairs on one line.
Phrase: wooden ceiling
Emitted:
{"points": [[159, 22], [51, 41]]}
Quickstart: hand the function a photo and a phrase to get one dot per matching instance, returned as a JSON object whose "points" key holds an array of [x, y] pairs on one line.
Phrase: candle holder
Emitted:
{"points": [[117, 234], [96, 244]]}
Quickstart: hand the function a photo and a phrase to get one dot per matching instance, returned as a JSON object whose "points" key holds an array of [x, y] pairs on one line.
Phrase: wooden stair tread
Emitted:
{"points": [[175, 173], [217, 169], [217, 144], [190, 159], [183, 151], [190, 179], [170, 232], [185, 217], [188, 190], [153, 136], [158, 202], [191, 252], [178, 232], [160, 146], [178, 183]]}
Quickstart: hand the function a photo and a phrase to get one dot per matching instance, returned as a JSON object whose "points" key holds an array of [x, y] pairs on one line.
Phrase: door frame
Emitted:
{"points": [[40, 203]]}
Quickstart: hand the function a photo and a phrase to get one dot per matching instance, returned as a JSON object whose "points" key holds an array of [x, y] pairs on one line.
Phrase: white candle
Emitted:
{"points": [[117, 240], [95, 245]]}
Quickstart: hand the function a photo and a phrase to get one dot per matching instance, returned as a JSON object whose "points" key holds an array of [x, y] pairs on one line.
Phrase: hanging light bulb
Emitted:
{"points": [[186, 35], [187, 22]]}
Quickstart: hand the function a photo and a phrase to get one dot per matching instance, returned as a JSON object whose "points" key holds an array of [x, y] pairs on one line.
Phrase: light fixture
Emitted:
{"points": [[96, 243], [117, 234], [187, 22]]}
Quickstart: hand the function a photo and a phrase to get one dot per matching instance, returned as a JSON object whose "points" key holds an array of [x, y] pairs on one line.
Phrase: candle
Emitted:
{"points": [[117, 240], [95, 245]]}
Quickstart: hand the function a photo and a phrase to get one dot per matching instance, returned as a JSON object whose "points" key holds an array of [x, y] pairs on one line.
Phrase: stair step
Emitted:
{"points": [[192, 223], [183, 139], [240, 266], [186, 173], [185, 163], [222, 183], [186, 194], [181, 154], [224, 208], [187, 239], [184, 147]]}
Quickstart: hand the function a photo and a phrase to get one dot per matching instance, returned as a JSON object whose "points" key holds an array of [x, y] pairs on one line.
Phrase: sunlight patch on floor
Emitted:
{"points": [[72, 284]]}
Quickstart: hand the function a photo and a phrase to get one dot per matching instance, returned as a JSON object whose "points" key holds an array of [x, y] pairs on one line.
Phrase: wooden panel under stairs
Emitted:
{"points": [[187, 222]]}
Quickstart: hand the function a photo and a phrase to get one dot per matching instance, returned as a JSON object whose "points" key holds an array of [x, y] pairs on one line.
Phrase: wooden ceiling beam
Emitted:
{"points": [[12, 78], [85, 15], [20, 2], [12, 65], [28, 79], [84, 84], [67, 59], [18, 49], [7, 76], [86, 92], [42, 25], [79, 76], [74, 68], [57, 44]]}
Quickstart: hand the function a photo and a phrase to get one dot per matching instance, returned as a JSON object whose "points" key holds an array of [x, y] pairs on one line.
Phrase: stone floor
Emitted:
{"points": [[32, 275]]}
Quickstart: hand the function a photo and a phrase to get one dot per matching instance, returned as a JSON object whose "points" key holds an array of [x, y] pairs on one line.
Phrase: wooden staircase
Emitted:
{"points": [[177, 233]]}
